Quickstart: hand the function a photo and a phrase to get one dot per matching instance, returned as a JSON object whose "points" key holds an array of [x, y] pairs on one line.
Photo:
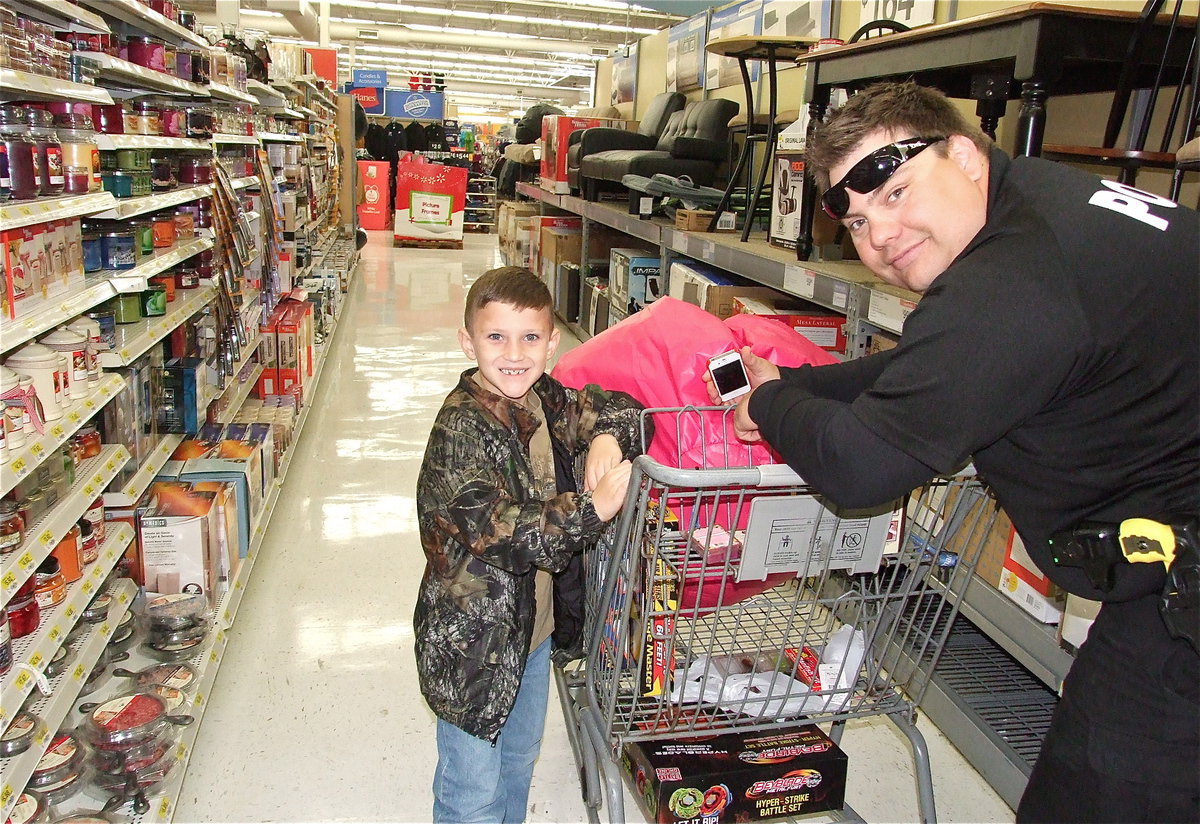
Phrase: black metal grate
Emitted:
{"points": [[1006, 697]]}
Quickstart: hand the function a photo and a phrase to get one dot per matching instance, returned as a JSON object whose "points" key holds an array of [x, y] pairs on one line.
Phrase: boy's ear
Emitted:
{"points": [[468, 345], [555, 337]]}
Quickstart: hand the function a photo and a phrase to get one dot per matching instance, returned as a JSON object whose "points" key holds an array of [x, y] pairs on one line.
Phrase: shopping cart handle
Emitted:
{"points": [[777, 475]]}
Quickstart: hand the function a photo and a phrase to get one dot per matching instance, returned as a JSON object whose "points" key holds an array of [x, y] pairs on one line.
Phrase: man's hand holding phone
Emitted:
{"points": [[757, 370]]}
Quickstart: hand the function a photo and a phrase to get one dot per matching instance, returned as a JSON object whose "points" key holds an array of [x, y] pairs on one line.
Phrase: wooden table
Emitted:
{"points": [[1027, 52], [771, 50]]}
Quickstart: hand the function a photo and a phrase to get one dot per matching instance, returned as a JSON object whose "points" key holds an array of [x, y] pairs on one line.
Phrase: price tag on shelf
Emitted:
{"points": [[18, 465], [89, 491], [125, 354], [8, 580], [124, 598], [25, 211], [37, 449], [46, 538], [70, 611], [91, 404], [110, 466], [77, 674], [164, 809], [73, 417], [6, 795], [841, 295], [57, 431], [798, 280], [87, 587], [26, 560], [22, 679], [55, 632]]}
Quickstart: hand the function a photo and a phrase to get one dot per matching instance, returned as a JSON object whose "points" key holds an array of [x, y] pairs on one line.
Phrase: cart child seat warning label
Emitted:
{"points": [[801, 534]]}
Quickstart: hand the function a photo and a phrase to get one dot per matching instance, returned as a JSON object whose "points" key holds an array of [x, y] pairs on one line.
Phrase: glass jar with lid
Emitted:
{"points": [[149, 52], [12, 527], [51, 584], [149, 117], [80, 154], [20, 164], [49, 149]]}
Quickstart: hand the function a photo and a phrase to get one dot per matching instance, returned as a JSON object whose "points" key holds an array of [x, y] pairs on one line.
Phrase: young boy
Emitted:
{"points": [[499, 513]]}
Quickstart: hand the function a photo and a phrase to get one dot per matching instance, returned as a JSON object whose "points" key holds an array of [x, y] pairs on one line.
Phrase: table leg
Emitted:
{"points": [[747, 148], [768, 159], [808, 202], [1031, 122]]}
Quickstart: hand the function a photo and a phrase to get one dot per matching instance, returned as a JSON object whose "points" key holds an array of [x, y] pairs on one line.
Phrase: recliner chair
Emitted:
{"points": [[599, 139], [694, 143]]}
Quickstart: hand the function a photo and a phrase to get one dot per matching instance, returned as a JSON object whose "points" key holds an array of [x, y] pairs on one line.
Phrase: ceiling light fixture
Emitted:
{"points": [[490, 16]]}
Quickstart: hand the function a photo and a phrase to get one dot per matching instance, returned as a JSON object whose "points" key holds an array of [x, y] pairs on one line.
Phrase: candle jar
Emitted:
{"points": [[95, 516], [110, 118], [126, 307], [174, 121], [119, 249], [199, 123], [12, 528], [162, 174], [23, 612], [186, 277], [107, 319], [185, 225], [41, 364], [167, 282], [185, 64], [164, 230], [51, 584], [90, 329], [133, 160], [143, 233], [74, 346], [88, 440], [149, 118], [49, 151], [93, 252], [120, 183], [195, 170], [154, 301], [69, 555], [146, 51], [20, 164], [80, 155], [89, 547]]}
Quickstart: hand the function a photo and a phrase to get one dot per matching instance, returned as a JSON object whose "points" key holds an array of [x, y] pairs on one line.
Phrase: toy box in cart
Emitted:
{"points": [[737, 776], [430, 199]]}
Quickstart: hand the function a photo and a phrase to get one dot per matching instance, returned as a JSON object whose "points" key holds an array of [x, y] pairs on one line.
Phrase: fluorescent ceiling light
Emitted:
{"points": [[423, 64], [260, 13], [489, 16], [472, 32], [477, 56]]}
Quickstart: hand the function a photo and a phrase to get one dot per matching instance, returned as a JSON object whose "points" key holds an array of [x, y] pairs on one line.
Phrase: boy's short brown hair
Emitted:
{"points": [[513, 285], [895, 107]]}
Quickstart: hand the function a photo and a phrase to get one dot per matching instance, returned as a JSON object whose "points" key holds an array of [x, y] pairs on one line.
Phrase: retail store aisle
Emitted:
{"points": [[316, 715]]}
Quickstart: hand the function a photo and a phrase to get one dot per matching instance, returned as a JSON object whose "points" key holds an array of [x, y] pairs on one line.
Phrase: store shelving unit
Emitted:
{"points": [[131, 80], [996, 722], [245, 182], [134, 339], [109, 142], [17, 214], [132, 206], [146, 19], [37, 87], [37, 448], [67, 18], [220, 91], [485, 213], [246, 139], [279, 137]]}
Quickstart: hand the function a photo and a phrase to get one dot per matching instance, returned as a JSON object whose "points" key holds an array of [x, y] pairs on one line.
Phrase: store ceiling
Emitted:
{"points": [[496, 56]]}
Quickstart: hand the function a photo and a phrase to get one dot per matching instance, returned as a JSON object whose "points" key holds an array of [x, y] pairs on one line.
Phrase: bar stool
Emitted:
{"points": [[771, 50]]}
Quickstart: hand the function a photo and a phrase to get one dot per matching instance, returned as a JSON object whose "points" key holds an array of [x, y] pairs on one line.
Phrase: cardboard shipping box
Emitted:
{"points": [[730, 777], [176, 525], [537, 226], [710, 288], [635, 278], [697, 220], [1024, 583], [823, 327], [556, 137]]}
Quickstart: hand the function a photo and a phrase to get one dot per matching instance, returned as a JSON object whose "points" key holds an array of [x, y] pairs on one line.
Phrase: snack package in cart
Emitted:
{"points": [[430, 199]]}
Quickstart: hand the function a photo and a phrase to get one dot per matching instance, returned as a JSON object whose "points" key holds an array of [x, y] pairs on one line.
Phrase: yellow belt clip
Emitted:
{"points": [[1144, 541]]}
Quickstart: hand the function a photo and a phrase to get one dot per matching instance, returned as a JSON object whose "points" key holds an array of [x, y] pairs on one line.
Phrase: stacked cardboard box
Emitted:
{"points": [[823, 327], [710, 288]]}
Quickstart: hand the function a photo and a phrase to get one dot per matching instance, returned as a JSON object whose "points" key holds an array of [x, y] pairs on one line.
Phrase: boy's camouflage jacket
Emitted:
{"points": [[483, 535]]}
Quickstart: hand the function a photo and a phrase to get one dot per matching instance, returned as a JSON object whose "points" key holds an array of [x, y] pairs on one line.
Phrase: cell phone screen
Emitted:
{"points": [[730, 377]]}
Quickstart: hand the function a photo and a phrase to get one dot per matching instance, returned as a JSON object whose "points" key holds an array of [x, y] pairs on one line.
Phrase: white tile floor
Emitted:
{"points": [[316, 715]]}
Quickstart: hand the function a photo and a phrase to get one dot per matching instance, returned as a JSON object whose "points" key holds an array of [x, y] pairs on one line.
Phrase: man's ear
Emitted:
{"points": [[468, 345], [967, 155]]}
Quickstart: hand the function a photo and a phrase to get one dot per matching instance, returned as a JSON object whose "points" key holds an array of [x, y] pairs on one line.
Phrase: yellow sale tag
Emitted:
{"points": [[18, 464], [89, 490], [8, 580], [78, 673], [87, 587], [37, 657], [73, 417], [57, 430], [6, 795], [46, 538], [110, 466], [124, 599], [164, 808], [22, 680], [37, 449], [91, 404]]}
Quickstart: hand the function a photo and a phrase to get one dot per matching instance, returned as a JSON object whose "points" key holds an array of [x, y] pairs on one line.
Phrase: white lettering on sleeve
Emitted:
{"points": [[1132, 203]]}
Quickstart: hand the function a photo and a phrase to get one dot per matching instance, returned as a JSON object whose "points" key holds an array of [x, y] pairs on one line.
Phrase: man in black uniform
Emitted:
{"points": [[1056, 345]]}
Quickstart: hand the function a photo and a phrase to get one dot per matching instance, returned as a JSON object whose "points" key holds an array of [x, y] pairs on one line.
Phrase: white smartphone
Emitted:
{"points": [[729, 375]]}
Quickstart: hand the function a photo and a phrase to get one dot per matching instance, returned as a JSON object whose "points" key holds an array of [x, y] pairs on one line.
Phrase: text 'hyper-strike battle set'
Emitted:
{"points": [[737, 776]]}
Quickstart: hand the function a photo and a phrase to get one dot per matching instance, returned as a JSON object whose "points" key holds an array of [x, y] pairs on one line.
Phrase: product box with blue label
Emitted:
{"points": [[635, 279]]}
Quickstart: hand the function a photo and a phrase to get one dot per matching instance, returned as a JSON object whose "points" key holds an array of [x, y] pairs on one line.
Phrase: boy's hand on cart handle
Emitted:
{"points": [[609, 493], [604, 452], [743, 426]]}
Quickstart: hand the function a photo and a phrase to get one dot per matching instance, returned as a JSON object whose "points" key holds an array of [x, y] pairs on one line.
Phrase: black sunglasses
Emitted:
{"points": [[871, 172]]}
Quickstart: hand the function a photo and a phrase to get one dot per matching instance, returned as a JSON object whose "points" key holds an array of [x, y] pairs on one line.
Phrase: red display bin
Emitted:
{"points": [[375, 212], [430, 199]]}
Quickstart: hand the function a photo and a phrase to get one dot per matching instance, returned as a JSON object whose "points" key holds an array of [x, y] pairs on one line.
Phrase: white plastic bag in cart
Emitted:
{"points": [[774, 694]]}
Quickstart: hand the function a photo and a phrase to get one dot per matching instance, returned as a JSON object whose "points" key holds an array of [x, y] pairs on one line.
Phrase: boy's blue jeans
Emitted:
{"points": [[476, 782]]}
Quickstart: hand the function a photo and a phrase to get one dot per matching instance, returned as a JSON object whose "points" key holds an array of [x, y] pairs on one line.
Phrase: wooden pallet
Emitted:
{"points": [[415, 243]]}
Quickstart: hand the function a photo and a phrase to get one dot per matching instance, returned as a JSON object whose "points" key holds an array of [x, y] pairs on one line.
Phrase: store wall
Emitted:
{"points": [[1071, 120]]}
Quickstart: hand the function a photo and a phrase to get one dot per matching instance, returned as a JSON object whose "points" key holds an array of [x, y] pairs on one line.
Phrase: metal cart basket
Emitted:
{"points": [[733, 598]]}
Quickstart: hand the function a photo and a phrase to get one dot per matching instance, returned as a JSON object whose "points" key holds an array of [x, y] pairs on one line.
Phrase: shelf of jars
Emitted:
{"points": [[63, 691], [135, 339], [53, 312], [37, 448], [36, 649], [109, 142], [279, 137], [91, 476], [128, 495], [16, 214], [145, 19], [131, 206], [140, 79], [137, 279], [60, 15], [222, 92], [247, 139], [16, 84]]}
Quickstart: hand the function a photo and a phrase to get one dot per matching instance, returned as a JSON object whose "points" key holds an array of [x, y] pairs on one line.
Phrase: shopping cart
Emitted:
{"points": [[732, 598]]}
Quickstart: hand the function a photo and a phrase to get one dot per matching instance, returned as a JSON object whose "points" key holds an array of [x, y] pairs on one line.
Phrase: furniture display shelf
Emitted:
{"points": [[35, 650], [132, 206], [137, 80], [134, 339], [64, 690], [91, 477], [127, 496], [146, 19], [16, 84], [16, 214], [36, 449]]}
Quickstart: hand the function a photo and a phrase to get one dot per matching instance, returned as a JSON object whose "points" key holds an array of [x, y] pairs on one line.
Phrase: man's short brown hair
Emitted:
{"points": [[509, 284], [901, 108]]}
